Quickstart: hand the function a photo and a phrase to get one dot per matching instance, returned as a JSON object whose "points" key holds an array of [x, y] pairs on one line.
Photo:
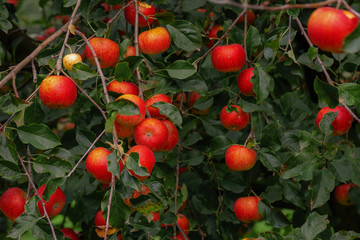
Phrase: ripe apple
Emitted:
{"points": [[146, 159], [153, 111], [152, 133], [123, 131], [69, 233], [228, 58], [132, 120], [55, 203], [234, 120], [100, 224], [144, 191], [172, 138], [123, 87], [144, 8], [342, 122], [70, 59], [12, 203], [244, 83], [57, 92], [130, 51], [246, 209], [250, 17], [342, 194], [328, 27], [213, 35], [106, 50], [154, 41], [193, 97], [240, 158]]}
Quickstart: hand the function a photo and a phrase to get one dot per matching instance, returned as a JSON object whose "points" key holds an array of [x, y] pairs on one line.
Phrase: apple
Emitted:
{"points": [[130, 51], [146, 159], [250, 17], [342, 194], [12, 203], [100, 225], [106, 50], [152, 133], [234, 119], [240, 158], [123, 87], [213, 35], [144, 191], [172, 138], [228, 58], [154, 41], [244, 83], [193, 97], [144, 8], [132, 120], [69, 233], [70, 59], [153, 111], [246, 209], [328, 27], [342, 121], [57, 92], [55, 203], [123, 131]]}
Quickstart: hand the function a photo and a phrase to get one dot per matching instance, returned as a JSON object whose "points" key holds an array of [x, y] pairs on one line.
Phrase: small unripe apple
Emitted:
{"points": [[244, 84], [152, 133], [153, 111], [123, 87], [328, 27], [154, 41], [234, 119], [12, 203], [55, 203], [144, 8], [106, 50], [246, 209], [57, 92], [132, 120], [70, 59], [213, 35], [240, 158], [69, 233], [228, 58], [342, 194], [146, 159], [342, 121]]}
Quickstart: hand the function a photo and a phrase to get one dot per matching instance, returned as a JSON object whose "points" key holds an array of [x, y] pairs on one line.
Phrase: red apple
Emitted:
{"points": [[328, 27], [106, 50], [69, 233], [55, 203], [12, 203], [146, 159], [342, 194], [213, 35], [240, 158], [244, 83], [123, 87], [172, 138], [250, 17], [342, 122], [123, 131], [228, 58], [130, 51], [152, 133], [193, 97], [57, 92], [234, 120], [132, 120], [246, 209], [153, 111], [154, 41], [70, 59], [144, 8], [144, 191]]}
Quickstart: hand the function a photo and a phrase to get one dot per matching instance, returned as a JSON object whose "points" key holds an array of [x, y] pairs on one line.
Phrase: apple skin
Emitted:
{"points": [[70, 59], [342, 122], [172, 138], [12, 203], [55, 203], [342, 194], [57, 92], [133, 119], [246, 209], [69, 233], [213, 35], [123, 131], [130, 51], [144, 8], [328, 27], [146, 159], [154, 41], [240, 158], [106, 50], [228, 58], [152, 133], [123, 87], [244, 84], [250, 17], [236, 120], [153, 111], [193, 97]]}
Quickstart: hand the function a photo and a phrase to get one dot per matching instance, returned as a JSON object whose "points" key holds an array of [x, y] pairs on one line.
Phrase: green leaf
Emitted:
{"points": [[165, 17], [38, 135], [169, 110], [123, 107], [82, 71], [322, 185], [350, 93], [352, 42], [327, 94], [273, 216], [14, 105], [185, 35], [261, 82], [253, 40], [23, 223], [326, 121], [180, 69], [5, 25], [132, 162], [119, 211], [122, 71], [113, 164], [56, 166], [315, 224], [270, 160]]}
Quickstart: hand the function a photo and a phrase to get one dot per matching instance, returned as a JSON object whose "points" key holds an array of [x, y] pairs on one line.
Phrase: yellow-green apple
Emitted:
{"points": [[123, 131], [152, 133], [55, 203], [100, 224], [193, 97], [57, 92], [12, 203], [172, 138], [228, 58], [342, 194], [106, 50], [240, 158], [145, 9], [234, 118], [244, 84], [70, 59], [250, 17], [132, 120], [246, 209], [130, 51], [328, 27], [153, 111], [69, 233], [342, 121], [146, 159], [123, 87], [213, 35], [154, 41]]}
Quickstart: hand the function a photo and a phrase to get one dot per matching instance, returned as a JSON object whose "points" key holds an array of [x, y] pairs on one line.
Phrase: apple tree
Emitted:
{"points": [[167, 119]]}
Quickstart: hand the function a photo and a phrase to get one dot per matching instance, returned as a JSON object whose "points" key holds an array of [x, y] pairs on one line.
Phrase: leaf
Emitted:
{"points": [[328, 95], [350, 93], [253, 40], [180, 69], [14, 105], [185, 35], [122, 71], [82, 71], [23, 223], [56, 166], [322, 185], [261, 82], [38, 135], [165, 17], [326, 121], [270, 160], [315, 224], [119, 211], [352, 42], [113, 165], [272, 216]]}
